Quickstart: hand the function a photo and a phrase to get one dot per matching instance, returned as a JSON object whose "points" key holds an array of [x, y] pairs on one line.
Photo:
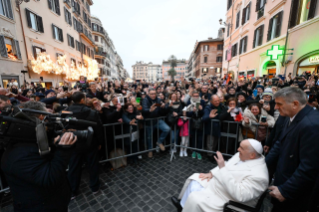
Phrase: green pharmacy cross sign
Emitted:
{"points": [[275, 52]]}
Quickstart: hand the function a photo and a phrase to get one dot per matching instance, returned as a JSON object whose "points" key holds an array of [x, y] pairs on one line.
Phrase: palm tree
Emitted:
{"points": [[173, 63]]}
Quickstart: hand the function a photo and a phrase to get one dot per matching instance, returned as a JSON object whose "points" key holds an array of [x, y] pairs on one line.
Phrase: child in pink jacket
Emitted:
{"points": [[183, 124]]}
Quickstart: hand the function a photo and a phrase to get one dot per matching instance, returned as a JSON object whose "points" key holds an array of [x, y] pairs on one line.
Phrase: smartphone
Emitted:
{"points": [[157, 104], [65, 89], [263, 119], [197, 105], [138, 100], [255, 92], [266, 103]]}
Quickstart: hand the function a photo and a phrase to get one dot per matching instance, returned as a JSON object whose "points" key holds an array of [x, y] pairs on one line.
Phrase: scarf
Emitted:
{"points": [[174, 106], [193, 103]]}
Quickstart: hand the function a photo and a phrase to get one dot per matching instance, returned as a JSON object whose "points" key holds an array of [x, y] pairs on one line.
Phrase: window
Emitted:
{"points": [[205, 59], [75, 24], [219, 59], [234, 50], [10, 48], [70, 41], [246, 14], [34, 21], [229, 3], [258, 36], [274, 27], [83, 48], [73, 61], [226, 54], [243, 45], [220, 47], [206, 48], [76, 7], [302, 10], [228, 29], [68, 17], [260, 8], [237, 19], [80, 27], [89, 52], [96, 38], [54, 5], [87, 6], [85, 17], [57, 33], [77, 45], [36, 51], [6, 8]]}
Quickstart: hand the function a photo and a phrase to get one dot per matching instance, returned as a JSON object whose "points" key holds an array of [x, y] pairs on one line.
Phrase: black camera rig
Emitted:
{"points": [[16, 125]]}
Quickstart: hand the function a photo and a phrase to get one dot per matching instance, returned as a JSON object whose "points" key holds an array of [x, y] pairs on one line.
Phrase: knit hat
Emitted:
{"points": [[268, 91], [260, 86], [242, 94], [49, 91]]}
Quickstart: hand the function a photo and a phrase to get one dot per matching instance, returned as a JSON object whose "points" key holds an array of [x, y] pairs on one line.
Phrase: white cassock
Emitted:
{"points": [[238, 181]]}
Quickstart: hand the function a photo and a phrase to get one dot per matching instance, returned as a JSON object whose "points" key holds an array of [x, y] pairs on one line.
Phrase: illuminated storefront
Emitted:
{"points": [[309, 64]]}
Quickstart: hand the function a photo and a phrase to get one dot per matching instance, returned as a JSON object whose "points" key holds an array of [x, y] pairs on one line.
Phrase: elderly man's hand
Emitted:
{"points": [[207, 176], [220, 160], [276, 193]]}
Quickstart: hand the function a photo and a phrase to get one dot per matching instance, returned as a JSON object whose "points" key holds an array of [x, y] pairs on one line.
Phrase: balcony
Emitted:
{"points": [[86, 36], [101, 53]]}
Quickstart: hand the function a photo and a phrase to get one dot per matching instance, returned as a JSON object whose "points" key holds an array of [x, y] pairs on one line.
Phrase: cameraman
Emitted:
{"points": [[37, 183], [90, 154]]}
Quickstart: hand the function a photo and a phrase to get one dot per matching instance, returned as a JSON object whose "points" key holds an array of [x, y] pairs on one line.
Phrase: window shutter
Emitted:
{"points": [[61, 35], [237, 20], [261, 33], [28, 18], [257, 5], [245, 47], [240, 46], [294, 13], [40, 24], [18, 49], [312, 9], [207, 47], [243, 16], [69, 40], [70, 19], [278, 27], [53, 33], [3, 48], [9, 9], [50, 4], [248, 13], [66, 15], [74, 24], [73, 45], [254, 41], [270, 28], [57, 7]]}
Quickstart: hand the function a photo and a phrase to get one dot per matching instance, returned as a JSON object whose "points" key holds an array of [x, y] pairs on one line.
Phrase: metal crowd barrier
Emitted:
{"points": [[226, 135], [2, 188], [148, 124]]}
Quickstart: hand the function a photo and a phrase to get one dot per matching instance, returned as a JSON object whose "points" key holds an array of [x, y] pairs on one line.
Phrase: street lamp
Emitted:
{"points": [[224, 23]]}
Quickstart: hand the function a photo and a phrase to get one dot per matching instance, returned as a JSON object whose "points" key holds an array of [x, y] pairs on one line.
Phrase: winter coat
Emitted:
{"points": [[184, 127]]}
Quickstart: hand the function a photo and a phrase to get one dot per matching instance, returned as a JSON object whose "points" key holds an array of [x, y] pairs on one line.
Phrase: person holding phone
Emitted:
{"points": [[255, 114]]}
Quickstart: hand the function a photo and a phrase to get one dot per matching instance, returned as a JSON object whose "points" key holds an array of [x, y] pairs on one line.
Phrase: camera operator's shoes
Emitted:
{"points": [[177, 203], [161, 146]]}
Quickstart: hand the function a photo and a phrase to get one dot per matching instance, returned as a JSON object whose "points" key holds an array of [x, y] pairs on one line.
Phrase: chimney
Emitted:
{"points": [[210, 38]]}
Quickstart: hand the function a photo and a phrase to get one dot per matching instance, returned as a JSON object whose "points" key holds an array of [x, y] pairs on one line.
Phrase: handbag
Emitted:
{"points": [[172, 119]]}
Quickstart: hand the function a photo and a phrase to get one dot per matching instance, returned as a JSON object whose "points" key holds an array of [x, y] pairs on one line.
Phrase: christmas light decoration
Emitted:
{"points": [[43, 63]]}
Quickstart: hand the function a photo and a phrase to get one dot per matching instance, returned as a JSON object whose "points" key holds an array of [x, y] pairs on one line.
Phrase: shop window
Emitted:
{"points": [[246, 14], [54, 5], [274, 27], [7, 81], [36, 51], [258, 36], [302, 10], [6, 8], [243, 45], [10, 48]]}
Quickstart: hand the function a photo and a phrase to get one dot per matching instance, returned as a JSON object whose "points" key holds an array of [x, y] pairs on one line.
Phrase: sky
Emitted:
{"points": [[153, 30]]}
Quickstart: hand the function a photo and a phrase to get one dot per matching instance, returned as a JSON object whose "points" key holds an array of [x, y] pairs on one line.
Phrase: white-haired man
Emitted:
{"points": [[242, 179]]}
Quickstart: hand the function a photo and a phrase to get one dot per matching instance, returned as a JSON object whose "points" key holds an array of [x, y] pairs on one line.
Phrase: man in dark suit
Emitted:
{"points": [[314, 200], [295, 154], [90, 153]]}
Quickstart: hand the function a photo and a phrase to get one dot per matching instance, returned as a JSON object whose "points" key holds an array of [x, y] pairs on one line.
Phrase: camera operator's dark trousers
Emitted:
{"points": [[75, 169]]}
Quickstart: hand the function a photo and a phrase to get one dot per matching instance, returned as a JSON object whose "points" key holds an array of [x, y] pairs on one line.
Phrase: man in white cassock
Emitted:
{"points": [[242, 179]]}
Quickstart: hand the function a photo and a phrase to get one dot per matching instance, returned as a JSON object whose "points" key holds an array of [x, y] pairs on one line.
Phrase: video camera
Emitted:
{"points": [[16, 125]]}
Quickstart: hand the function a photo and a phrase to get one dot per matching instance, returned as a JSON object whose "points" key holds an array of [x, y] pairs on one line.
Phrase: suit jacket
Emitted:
{"points": [[243, 182], [314, 200], [276, 131], [296, 155]]}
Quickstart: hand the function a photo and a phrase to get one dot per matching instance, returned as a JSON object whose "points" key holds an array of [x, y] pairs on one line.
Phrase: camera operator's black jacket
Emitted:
{"points": [[85, 113], [37, 183], [98, 95]]}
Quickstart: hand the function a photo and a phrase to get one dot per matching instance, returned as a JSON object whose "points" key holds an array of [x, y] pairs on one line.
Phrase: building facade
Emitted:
{"points": [[181, 69], [271, 37], [208, 56], [153, 72], [140, 70], [11, 45]]}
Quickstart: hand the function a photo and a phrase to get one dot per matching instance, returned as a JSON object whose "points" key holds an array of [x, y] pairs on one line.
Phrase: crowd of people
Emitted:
{"points": [[189, 112]]}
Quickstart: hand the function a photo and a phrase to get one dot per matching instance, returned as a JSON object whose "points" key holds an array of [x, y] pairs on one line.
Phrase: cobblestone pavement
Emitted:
{"points": [[147, 187]]}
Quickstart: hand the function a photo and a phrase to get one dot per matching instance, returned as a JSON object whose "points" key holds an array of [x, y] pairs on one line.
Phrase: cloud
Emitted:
{"points": [[151, 31]]}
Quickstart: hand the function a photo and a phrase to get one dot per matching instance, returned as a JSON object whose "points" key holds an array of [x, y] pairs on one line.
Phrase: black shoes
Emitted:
{"points": [[177, 203]]}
